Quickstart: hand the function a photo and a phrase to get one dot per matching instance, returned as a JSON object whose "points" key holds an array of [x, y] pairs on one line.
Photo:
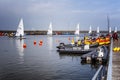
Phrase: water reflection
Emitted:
{"points": [[50, 44], [94, 65], [20, 49], [72, 56]]}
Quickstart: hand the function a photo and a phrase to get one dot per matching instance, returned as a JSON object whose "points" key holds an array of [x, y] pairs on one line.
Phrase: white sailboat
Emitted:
{"points": [[90, 30], [77, 30], [109, 29], [20, 29], [115, 29], [98, 31], [50, 29]]}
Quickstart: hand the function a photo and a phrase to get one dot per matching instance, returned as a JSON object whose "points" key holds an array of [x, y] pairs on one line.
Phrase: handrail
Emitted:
{"points": [[109, 73], [96, 74]]}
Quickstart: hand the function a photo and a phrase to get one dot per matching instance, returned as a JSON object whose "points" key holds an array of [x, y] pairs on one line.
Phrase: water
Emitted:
{"points": [[40, 62]]}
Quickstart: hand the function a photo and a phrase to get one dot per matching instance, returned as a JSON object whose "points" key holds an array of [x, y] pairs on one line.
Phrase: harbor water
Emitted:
{"points": [[41, 62]]}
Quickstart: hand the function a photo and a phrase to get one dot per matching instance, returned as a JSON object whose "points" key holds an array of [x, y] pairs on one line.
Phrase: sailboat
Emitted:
{"points": [[50, 30], [115, 30], [90, 30], [20, 30], [91, 33], [98, 31], [77, 30], [109, 29]]}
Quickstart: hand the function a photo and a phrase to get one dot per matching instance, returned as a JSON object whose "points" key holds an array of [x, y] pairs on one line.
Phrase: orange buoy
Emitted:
{"points": [[41, 41], [34, 42], [24, 45], [40, 44]]}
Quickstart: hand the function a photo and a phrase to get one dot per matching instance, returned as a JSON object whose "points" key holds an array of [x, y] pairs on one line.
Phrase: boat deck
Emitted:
{"points": [[116, 62]]}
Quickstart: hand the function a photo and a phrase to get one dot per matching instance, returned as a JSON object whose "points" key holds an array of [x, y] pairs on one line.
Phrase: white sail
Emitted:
{"points": [[90, 30], [20, 29], [109, 29], [50, 29], [115, 29], [98, 31], [77, 30]]}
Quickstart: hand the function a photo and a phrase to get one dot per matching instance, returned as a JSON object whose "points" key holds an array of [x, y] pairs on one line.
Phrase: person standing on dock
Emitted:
{"points": [[115, 36], [79, 43]]}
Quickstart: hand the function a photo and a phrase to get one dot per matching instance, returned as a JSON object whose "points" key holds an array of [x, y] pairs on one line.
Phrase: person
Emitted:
{"points": [[79, 43], [115, 36], [72, 42]]}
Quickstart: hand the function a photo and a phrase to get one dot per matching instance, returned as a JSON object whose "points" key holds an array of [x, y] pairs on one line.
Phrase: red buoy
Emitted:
{"points": [[35, 42], [24, 45], [41, 42]]}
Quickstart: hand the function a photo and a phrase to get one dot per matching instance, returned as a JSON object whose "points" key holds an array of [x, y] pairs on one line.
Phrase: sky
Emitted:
{"points": [[64, 14]]}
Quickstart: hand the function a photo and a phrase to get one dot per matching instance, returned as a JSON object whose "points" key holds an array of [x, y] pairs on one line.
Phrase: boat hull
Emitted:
{"points": [[75, 50]]}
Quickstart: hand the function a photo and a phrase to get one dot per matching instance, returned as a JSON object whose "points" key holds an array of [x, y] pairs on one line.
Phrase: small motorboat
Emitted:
{"points": [[74, 49], [61, 45], [99, 54]]}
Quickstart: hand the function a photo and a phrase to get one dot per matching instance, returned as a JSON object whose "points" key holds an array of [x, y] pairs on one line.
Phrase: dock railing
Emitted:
{"points": [[96, 76], [109, 72]]}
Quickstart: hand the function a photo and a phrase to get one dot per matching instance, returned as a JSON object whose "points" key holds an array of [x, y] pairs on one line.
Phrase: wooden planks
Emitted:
{"points": [[116, 62]]}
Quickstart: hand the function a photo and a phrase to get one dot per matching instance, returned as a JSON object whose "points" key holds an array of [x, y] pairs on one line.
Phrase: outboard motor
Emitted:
{"points": [[100, 52]]}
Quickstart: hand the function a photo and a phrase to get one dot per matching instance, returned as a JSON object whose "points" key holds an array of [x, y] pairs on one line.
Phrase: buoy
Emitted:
{"points": [[41, 41], [119, 48], [24, 45], [40, 44], [115, 49], [34, 42]]}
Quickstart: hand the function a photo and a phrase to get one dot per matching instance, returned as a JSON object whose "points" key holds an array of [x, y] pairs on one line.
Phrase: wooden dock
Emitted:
{"points": [[116, 62]]}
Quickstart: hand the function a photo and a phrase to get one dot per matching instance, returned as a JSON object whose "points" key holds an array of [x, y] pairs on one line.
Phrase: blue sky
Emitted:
{"points": [[64, 14]]}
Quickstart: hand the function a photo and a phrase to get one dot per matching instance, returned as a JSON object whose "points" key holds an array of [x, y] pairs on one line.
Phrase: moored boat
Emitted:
{"points": [[100, 54], [61, 45], [74, 49]]}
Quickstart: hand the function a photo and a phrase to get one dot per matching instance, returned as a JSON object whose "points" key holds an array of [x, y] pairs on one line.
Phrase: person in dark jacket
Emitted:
{"points": [[115, 36]]}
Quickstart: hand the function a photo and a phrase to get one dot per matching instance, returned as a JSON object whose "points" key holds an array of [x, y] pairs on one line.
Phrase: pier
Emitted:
{"points": [[116, 62]]}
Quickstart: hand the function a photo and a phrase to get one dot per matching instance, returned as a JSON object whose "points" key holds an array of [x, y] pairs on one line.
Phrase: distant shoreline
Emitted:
{"points": [[44, 32]]}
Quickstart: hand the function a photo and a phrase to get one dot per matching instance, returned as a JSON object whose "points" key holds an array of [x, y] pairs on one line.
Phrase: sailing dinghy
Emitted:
{"points": [[77, 30], [50, 30], [20, 30]]}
